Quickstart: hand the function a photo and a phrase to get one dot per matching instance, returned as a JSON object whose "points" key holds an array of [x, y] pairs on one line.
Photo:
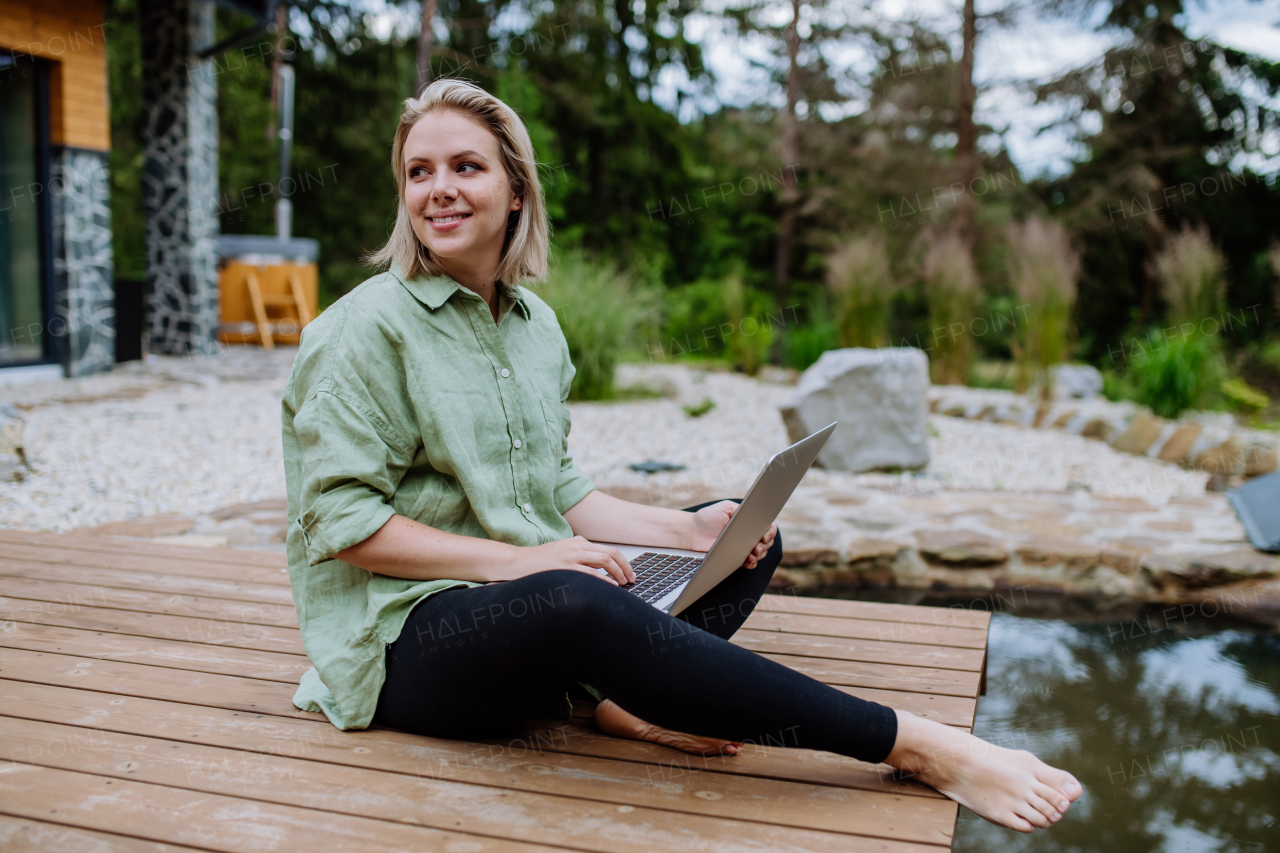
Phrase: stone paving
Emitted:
{"points": [[1001, 505]]}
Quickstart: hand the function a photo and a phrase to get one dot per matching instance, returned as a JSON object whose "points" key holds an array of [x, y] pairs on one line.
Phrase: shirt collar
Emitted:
{"points": [[436, 290]]}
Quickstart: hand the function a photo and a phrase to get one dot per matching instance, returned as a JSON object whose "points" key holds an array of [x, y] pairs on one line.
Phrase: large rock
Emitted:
{"points": [[1075, 381], [880, 398]]}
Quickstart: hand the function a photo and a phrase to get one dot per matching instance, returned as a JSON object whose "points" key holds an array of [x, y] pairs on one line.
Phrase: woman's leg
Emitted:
{"points": [[723, 610], [477, 661]]}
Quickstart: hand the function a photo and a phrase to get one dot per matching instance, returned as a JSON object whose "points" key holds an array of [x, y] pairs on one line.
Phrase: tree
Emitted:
{"points": [[1169, 126]]}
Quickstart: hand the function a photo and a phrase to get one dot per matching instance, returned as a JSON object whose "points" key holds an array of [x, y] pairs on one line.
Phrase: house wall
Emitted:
{"points": [[71, 35]]}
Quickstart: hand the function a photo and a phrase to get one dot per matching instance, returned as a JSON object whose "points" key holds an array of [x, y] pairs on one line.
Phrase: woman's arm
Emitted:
{"points": [[604, 517], [404, 548]]}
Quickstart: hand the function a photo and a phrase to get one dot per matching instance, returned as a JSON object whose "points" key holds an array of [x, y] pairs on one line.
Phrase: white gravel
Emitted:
{"points": [[190, 436]]}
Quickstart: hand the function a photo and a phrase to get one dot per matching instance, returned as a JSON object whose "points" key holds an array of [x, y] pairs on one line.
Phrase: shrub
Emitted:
{"points": [[600, 308], [1043, 269], [862, 286], [1185, 371], [951, 287], [718, 318], [1190, 271], [805, 344]]}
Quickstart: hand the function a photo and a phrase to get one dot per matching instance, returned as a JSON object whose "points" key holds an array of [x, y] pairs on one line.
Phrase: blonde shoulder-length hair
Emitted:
{"points": [[525, 246]]}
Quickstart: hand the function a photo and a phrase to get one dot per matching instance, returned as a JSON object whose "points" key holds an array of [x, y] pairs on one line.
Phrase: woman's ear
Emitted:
{"points": [[517, 202]]}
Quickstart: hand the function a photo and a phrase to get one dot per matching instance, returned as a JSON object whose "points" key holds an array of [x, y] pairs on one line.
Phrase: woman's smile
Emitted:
{"points": [[448, 221]]}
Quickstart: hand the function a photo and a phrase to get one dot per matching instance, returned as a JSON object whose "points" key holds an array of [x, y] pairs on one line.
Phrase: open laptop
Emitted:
{"points": [[671, 579]]}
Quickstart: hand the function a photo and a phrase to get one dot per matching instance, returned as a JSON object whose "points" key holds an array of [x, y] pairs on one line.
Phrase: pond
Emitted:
{"points": [[1170, 720]]}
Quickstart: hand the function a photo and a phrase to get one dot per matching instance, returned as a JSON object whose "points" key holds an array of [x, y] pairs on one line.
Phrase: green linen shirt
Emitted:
{"points": [[407, 399]]}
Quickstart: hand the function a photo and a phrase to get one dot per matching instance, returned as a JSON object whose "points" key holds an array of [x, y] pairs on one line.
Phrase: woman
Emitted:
{"points": [[425, 437]]}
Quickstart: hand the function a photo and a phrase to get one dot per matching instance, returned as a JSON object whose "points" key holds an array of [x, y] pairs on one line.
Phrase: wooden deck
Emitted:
{"points": [[145, 706]]}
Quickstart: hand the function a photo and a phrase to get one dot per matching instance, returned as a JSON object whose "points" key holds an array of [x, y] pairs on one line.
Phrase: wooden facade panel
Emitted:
{"points": [[72, 35]]}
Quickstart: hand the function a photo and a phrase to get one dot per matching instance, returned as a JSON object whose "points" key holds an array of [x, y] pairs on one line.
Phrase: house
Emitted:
{"points": [[57, 296]]}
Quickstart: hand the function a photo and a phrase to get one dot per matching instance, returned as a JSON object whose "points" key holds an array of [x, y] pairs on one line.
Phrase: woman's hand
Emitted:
{"points": [[710, 520], [575, 554]]}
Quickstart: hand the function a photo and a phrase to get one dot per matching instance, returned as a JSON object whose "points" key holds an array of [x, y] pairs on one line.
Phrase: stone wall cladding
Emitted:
{"points": [[180, 176], [82, 261], [1204, 441]]}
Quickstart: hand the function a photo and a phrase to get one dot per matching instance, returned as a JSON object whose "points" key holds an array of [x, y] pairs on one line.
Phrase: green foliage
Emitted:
{"points": [[1190, 271], [600, 309], [1043, 269], [862, 286], [951, 284], [124, 75], [1243, 396], [700, 409], [714, 319], [804, 344], [1179, 373]]}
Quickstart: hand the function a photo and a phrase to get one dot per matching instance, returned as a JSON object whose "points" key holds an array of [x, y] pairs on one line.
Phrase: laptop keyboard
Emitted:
{"points": [[658, 574]]}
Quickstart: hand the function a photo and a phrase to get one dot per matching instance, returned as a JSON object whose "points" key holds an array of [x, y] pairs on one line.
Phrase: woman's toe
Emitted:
{"points": [[1029, 813], [1016, 821], [1052, 796], [1045, 807]]}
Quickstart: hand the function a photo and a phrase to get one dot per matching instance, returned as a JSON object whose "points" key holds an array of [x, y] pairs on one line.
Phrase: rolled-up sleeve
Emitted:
{"points": [[571, 484], [350, 465]]}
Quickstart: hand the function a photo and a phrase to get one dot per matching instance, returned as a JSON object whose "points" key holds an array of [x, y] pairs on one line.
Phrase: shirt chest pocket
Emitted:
{"points": [[556, 417]]}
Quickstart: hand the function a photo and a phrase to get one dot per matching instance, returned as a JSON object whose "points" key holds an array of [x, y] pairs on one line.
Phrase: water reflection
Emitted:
{"points": [[1171, 725]]}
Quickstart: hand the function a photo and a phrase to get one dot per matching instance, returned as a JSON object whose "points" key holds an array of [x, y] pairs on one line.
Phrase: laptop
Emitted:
{"points": [[671, 579]]}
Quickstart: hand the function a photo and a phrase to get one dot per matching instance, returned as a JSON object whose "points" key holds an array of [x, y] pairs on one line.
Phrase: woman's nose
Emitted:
{"points": [[443, 188]]}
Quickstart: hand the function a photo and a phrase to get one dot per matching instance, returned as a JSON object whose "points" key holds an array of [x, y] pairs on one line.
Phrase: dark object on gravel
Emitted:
{"points": [[1257, 503], [651, 467]]}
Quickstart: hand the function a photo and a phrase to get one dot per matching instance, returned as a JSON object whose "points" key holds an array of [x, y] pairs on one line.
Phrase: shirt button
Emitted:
{"points": [[516, 443], [505, 373], [528, 507]]}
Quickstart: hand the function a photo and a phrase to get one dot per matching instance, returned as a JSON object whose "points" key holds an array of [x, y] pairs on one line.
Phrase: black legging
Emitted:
{"points": [[480, 661]]}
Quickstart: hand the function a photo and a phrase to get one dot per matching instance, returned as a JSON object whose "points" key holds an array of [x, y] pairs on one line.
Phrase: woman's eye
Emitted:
{"points": [[464, 167], [417, 171]]}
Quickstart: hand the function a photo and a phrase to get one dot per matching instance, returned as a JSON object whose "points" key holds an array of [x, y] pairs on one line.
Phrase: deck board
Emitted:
{"points": [[145, 704]]}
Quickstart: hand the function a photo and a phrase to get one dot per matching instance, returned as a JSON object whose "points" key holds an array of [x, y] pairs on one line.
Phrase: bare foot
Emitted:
{"points": [[1009, 787], [613, 720]]}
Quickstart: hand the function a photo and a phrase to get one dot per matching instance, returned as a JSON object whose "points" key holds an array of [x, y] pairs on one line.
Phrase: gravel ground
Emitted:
{"points": [[192, 435]]}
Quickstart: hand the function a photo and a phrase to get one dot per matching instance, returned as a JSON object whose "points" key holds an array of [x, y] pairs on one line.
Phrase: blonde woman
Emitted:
{"points": [[440, 536]]}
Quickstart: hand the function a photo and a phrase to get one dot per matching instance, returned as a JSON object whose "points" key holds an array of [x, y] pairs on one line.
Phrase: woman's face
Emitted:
{"points": [[456, 191]]}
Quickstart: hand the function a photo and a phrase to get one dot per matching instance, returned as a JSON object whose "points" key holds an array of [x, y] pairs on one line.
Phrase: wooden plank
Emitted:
{"points": [[458, 761], [579, 817], [940, 617], [384, 749], [107, 544], [916, 679], [75, 595], [23, 835], [150, 582], [189, 567], [180, 629], [870, 651], [756, 760], [866, 629], [165, 654], [130, 679], [213, 822]]}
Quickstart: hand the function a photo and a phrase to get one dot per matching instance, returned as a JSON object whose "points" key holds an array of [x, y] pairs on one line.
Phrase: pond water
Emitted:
{"points": [[1170, 721]]}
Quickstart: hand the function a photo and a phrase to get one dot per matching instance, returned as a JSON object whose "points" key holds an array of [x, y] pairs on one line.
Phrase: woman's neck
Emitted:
{"points": [[482, 282]]}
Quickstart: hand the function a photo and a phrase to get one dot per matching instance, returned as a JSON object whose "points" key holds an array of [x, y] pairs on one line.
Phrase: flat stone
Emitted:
{"points": [[1171, 526], [1098, 428], [239, 510], [1227, 458], [1074, 557], [169, 524], [1143, 432], [1260, 459], [961, 548], [1204, 570], [804, 546], [872, 548], [1127, 561], [1175, 450]]}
